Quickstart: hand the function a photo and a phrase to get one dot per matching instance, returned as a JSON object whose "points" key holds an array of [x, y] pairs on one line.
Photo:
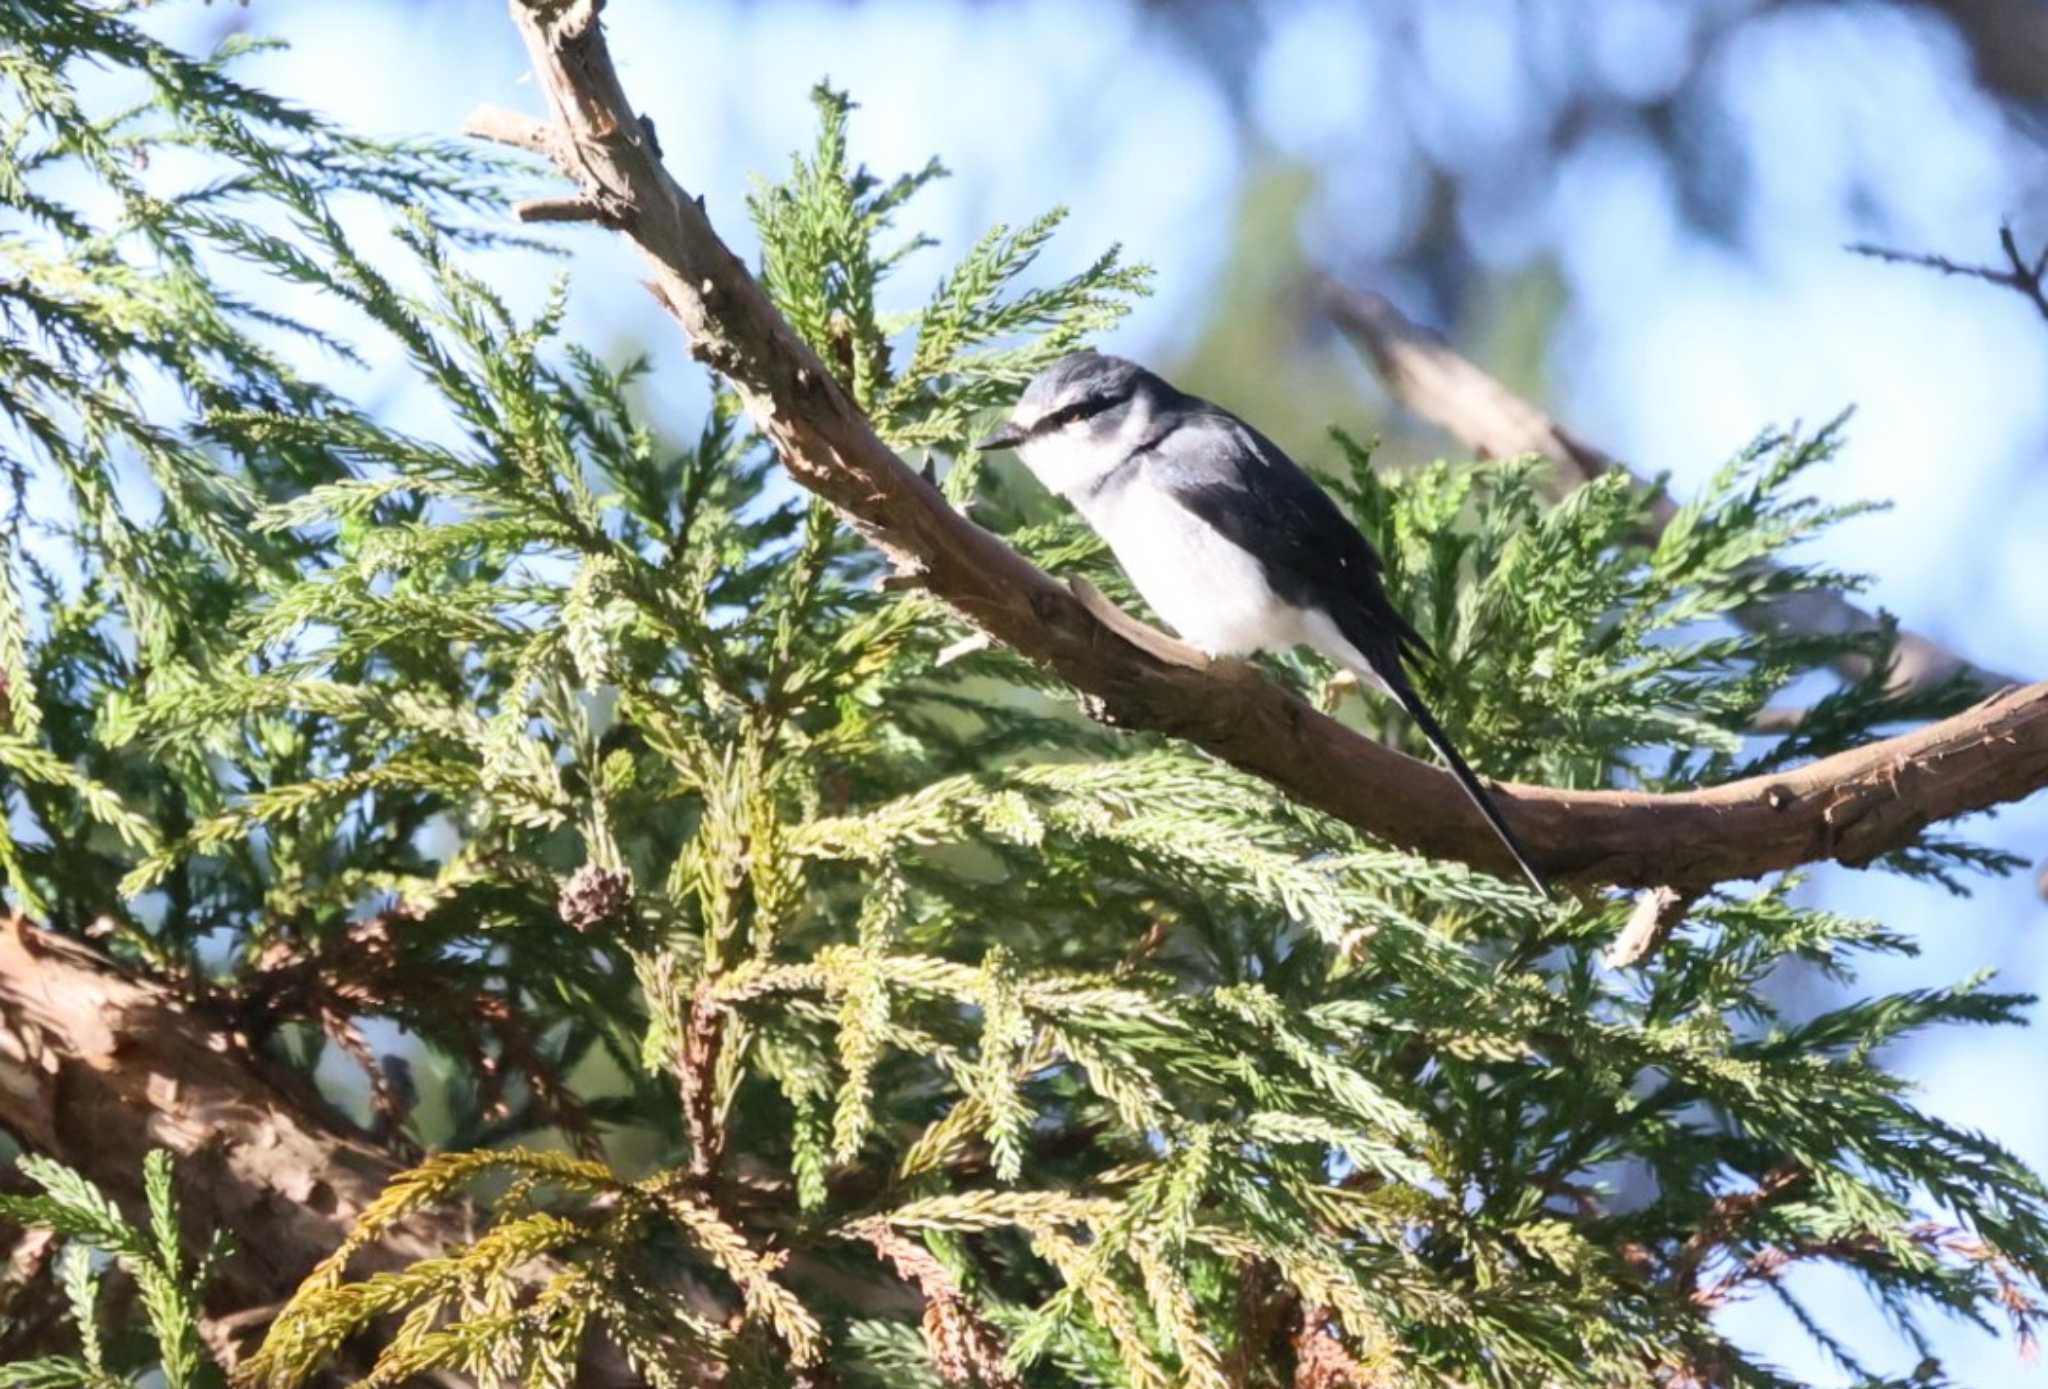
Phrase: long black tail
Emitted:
{"points": [[1389, 670]]}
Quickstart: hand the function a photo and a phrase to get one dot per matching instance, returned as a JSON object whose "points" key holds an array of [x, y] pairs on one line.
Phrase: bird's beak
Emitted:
{"points": [[1007, 437]]}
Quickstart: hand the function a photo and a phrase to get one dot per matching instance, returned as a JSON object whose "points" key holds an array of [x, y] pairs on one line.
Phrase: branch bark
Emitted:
{"points": [[1431, 378], [1658, 911], [1853, 807], [98, 1067]]}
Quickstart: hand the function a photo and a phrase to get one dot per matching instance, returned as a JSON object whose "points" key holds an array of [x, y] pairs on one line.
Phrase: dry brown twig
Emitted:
{"points": [[964, 1349], [1871, 1251], [1724, 1221], [1853, 807], [366, 973]]}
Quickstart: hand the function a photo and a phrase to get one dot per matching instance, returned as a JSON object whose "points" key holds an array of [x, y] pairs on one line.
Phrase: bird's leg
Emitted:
{"points": [[1342, 683], [1149, 640]]}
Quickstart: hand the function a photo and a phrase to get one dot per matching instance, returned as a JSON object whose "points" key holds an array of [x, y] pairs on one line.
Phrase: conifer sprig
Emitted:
{"points": [[170, 1285]]}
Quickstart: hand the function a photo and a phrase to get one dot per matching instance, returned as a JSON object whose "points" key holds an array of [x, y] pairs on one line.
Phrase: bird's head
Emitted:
{"points": [[1081, 417]]}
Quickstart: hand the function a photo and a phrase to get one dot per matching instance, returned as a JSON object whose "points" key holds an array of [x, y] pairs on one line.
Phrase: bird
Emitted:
{"points": [[1229, 540]]}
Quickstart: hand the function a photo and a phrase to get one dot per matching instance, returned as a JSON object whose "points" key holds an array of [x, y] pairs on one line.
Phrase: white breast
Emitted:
{"points": [[1207, 589], [1212, 593]]}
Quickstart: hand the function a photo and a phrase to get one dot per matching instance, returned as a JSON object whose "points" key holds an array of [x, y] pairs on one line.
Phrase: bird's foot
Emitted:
{"points": [[1149, 640]]}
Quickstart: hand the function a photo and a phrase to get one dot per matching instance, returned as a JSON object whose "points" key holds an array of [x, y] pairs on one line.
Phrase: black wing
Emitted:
{"points": [[1240, 482], [1244, 485]]}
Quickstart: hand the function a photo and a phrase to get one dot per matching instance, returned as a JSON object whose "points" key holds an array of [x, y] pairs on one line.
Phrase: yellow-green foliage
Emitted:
{"points": [[608, 767]]}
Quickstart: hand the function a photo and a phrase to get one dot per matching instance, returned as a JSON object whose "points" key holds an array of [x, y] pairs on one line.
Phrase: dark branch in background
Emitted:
{"points": [[2008, 48], [2019, 274], [1853, 807], [1425, 374]]}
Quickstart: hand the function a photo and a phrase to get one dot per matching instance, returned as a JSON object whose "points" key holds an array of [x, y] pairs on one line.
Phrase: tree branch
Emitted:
{"points": [[1724, 1220], [1429, 377], [1658, 911], [697, 1067], [2019, 275], [1852, 807], [964, 1349], [98, 1067]]}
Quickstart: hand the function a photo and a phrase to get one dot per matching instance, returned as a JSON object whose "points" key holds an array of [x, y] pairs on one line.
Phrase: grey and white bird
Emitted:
{"points": [[1228, 539]]}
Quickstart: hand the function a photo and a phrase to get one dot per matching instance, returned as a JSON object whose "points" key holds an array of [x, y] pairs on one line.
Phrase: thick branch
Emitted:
{"points": [[1427, 375], [1853, 807], [97, 1068]]}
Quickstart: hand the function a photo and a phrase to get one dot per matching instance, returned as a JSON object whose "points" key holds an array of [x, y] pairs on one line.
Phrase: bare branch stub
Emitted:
{"points": [[560, 210], [1658, 910], [1853, 807], [515, 128]]}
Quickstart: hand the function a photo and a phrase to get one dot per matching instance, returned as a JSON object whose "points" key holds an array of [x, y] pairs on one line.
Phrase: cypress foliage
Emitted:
{"points": [[816, 996]]}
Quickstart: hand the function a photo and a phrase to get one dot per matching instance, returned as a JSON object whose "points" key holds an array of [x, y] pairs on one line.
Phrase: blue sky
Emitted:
{"points": [[1811, 127]]}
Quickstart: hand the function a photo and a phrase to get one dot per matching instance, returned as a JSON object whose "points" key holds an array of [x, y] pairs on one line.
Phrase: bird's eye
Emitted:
{"points": [[1070, 414], [1067, 414]]}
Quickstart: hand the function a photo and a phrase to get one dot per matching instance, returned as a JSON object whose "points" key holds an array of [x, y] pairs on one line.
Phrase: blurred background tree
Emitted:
{"points": [[1634, 211]]}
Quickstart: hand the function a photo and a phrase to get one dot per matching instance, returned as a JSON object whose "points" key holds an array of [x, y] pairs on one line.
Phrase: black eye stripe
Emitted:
{"points": [[1067, 414]]}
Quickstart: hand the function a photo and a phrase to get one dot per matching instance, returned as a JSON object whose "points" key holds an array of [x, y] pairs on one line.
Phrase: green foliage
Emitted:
{"points": [[821, 264], [169, 1285], [1612, 644], [613, 773]]}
